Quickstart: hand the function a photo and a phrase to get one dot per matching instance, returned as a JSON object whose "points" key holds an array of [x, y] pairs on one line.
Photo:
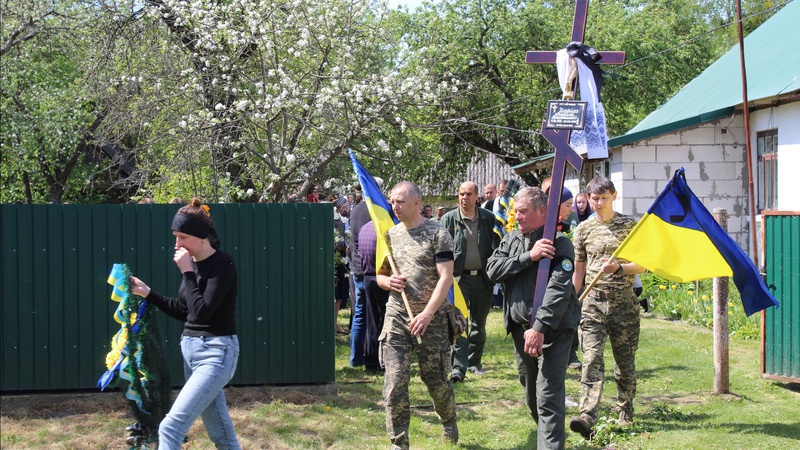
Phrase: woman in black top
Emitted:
{"points": [[582, 206], [206, 303]]}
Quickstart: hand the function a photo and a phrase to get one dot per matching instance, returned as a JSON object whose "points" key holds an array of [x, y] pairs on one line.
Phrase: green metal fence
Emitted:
{"points": [[781, 327], [57, 314]]}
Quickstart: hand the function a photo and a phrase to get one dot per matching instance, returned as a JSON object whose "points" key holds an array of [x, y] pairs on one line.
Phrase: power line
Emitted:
{"points": [[687, 42], [478, 121]]}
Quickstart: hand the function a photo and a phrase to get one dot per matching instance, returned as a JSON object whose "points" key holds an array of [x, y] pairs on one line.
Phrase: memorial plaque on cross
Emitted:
{"points": [[559, 139]]}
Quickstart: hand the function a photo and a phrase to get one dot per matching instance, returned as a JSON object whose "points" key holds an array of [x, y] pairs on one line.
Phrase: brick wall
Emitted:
{"points": [[713, 156]]}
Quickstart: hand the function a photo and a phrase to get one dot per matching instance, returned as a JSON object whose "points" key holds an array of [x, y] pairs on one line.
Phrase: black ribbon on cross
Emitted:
{"points": [[590, 57]]}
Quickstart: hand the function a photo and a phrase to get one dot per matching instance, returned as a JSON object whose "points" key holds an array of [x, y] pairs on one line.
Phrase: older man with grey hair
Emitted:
{"points": [[541, 346]]}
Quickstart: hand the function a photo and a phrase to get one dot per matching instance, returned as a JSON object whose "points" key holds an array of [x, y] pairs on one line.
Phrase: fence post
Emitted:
{"points": [[721, 365]]}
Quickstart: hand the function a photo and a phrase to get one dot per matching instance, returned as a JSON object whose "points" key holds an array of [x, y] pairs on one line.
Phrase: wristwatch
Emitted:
{"points": [[619, 270]]}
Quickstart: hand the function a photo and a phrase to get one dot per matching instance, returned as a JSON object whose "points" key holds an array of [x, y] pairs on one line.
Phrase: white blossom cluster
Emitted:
{"points": [[298, 80], [273, 91]]}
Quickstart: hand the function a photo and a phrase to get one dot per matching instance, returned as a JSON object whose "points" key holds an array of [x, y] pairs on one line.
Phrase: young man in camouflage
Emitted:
{"points": [[423, 252], [542, 350], [610, 309]]}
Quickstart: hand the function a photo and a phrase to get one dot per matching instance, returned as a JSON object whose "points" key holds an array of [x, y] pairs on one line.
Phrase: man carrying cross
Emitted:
{"points": [[581, 63], [541, 350]]}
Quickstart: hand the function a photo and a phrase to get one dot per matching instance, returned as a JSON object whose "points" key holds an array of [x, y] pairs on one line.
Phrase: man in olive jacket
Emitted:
{"points": [[474, 241], [541, 349]]}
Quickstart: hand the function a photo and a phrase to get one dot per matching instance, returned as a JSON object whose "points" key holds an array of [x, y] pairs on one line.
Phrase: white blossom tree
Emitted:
{"points": [[239, 100], [226, 100], [270, 95]]}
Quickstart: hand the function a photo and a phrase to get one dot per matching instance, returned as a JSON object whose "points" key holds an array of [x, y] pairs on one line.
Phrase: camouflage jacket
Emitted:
{"points": [[595, 242]]}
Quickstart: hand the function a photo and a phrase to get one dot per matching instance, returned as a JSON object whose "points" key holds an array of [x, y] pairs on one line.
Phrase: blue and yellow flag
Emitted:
{"points": [[502, 206], [383, 218], [679, 240], [379, 209]]}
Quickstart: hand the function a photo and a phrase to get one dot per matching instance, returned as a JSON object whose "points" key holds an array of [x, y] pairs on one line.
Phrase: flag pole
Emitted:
{"points": [[594, 281], [612, 260], [748, 151], [403, 294]]}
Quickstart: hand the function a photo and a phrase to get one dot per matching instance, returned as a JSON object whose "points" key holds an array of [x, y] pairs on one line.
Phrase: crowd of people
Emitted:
{"points": [[491, 246]]}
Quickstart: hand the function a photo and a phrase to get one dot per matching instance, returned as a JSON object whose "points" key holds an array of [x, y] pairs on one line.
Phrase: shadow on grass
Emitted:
{"points": [[469, 415], [529, 444], [645, 374], [794, 387], [54, 406], [788, 431], [652, 424]]}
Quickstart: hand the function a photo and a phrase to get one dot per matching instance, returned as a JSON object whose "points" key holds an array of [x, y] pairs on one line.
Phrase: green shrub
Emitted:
{"points": [[609, 435], [693, 303]]}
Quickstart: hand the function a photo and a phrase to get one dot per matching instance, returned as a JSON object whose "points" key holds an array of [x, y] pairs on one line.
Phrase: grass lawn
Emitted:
{"points": [[675, 406]]}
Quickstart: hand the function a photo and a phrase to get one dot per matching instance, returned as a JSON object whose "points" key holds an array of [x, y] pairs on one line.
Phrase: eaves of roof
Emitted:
{"points": [[773, 71], [539, 162]]}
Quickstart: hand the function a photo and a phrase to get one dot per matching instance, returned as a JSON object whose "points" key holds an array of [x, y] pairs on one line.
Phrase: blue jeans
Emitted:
{"points": [[358, 328], [208, 364]]}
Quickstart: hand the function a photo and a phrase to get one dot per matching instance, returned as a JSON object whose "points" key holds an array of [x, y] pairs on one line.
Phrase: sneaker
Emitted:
{"points": [[582, 425], [574, 362], [625, 419], [450, 434], [135, 428], [456, 377], [476, 370]]}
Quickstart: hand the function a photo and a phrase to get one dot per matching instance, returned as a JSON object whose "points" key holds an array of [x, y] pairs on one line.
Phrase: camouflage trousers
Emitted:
{"points": [[615, 316], [433, 356]]}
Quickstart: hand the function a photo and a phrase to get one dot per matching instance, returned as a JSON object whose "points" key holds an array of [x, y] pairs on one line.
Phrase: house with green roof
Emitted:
{"points": [[701, 128]]}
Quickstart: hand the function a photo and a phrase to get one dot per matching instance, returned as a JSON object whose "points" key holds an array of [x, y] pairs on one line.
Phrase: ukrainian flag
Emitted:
{"points": [[679, 240], [502, 207], [379, 209], [382, 218]]}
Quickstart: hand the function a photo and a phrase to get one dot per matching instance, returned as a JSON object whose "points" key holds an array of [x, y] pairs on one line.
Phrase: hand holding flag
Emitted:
{"points": [[382, 219], [679, 240]]}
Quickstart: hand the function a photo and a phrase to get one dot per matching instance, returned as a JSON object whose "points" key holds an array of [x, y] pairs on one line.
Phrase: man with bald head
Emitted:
{"points": [[473, 243], [423, 252], [489, 192]]}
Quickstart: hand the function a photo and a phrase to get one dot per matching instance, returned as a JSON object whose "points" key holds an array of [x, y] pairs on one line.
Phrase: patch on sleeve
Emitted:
{"points": [[566, 264]]}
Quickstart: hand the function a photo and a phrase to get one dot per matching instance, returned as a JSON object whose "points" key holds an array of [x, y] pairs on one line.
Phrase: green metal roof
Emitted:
{"points": [[535, 163], [772, 61]]}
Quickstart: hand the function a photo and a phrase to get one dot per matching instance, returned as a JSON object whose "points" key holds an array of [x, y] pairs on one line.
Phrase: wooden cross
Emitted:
{"points": [[564, 152]]}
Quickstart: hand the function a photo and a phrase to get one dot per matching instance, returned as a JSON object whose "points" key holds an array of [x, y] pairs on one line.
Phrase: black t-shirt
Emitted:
{"points": [[206, 299]]}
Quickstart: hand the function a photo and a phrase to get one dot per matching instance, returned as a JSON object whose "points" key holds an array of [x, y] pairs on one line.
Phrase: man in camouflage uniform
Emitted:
{"points": [[423, 252], [541, 349], [610, 309]]}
